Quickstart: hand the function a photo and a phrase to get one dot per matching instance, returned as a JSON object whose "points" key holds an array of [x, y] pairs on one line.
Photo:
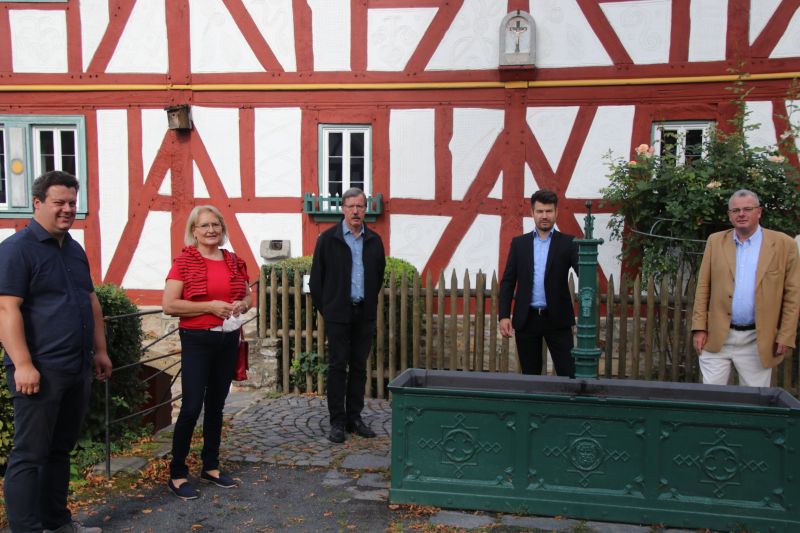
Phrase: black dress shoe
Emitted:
{"points": [[360, 428], [336, 434]]}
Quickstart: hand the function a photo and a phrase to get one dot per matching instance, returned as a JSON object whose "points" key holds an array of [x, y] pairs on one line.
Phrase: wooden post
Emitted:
{"points": [[453, 322], [637, 324], [379, 345], [392, 325], [480, 318], [465, 360], [610, 305], [622, 367], [285, 362], [428, 321], [415, 322], [648, 335], [403, 323], [493, 303]]}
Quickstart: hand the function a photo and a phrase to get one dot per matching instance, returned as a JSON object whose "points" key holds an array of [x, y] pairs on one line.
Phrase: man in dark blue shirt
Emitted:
{"points": [[51, 327]]}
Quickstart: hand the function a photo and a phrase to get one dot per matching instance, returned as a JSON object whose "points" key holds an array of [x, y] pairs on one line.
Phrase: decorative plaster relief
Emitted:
{"points": [[38, 40], [217, 44], [277, 151], [330, 28], [474, 133], [219, 130], [393, 35], [412, 161], [564, 37], [471, 42], [113, 187], [708, 30], [551, 126], [275, 21], [478, 250], [153, 256], [643, 28], [94, 20], [414, 237], [143, 44], [610, 132]]}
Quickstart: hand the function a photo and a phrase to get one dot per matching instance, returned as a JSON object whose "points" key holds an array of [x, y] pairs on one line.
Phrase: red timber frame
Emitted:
{"points": [[697, 95]]}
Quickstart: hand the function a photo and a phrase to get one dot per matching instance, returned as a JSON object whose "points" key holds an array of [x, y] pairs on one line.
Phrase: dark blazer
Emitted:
{"points": [[331, 270], [562, 255]]}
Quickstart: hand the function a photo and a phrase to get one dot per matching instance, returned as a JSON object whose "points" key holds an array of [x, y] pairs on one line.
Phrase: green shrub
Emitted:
{"points": [[6, 418], [306, 362], [401, 268]]}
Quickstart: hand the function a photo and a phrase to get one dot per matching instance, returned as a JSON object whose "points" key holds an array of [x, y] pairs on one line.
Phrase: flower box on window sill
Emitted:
{"points": [[329, 208]]}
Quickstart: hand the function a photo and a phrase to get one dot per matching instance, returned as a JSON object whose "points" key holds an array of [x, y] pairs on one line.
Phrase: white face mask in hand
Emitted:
{"points": [[232, 323]]}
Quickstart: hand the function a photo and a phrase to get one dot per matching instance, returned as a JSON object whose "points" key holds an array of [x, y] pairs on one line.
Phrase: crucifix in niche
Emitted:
{"points": [[517, 40]]}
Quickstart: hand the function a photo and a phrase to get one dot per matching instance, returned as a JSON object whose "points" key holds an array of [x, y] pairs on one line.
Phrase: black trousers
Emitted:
{"points": [[348, 348], [208, 360], [529, 345], [46, 428]]}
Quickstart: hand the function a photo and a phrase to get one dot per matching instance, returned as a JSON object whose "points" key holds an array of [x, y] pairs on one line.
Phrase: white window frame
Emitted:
{"points": [[682, 127], [346, 129], [30, 157]]}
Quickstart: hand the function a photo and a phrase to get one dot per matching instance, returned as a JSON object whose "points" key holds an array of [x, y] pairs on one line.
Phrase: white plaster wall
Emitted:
{"points": [[143, 44], [217, 45], [793, 111], [474, 133], [393, 35], [789, 43], [200, 190], [564, 37], [166, 184], [760, 13], [531, 185], [760, 113], [277, 148], [643, 27], [414, 237], [38, 40], [275, 21], [6, 233], [94, 20], [551, 127], [79, 237], [472, 41], [219, 129], [527, 225], [412, 162], [497, 190], [152, 259], [267, 226], [154, 127], [478, 250], [611, 130], [708, 31], [330, 28], [608, 252], [112, 148]]}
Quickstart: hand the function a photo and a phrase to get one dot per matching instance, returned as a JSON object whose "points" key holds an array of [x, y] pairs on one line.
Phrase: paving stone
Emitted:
{"points": [[607, 527], [130, 465], [539, 523], [462, 520], [365, 461], [378, 495], [373, 480]]}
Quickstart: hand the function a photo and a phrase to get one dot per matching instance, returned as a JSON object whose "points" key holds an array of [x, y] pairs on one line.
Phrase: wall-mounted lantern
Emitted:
{"points": [[517, 40], [179, 117]]}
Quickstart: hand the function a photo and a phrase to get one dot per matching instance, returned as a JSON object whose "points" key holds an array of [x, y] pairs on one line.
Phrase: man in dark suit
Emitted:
{"points": [[346, 276], [538, 268]]}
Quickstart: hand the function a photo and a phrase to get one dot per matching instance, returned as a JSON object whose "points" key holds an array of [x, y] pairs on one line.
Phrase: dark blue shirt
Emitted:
{"points": [[55, 287]]}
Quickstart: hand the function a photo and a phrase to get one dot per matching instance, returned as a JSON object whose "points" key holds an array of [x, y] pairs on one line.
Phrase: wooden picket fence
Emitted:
{"points": [[436, 325]]}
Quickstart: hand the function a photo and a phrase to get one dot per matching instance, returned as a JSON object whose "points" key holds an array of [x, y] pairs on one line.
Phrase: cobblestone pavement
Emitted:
{"points": [[292, 431]]}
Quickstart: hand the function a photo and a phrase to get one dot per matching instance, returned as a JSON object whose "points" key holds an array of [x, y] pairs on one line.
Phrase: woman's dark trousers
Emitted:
{"points": [[208, 360]]}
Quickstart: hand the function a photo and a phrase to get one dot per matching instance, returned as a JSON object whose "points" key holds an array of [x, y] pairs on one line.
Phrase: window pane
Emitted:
{"points": [[357, 172], [694, 145], [334, 188], [2, 167], [334, 144], [669, 142], [68, 142], [356, 145], [47, 158]]}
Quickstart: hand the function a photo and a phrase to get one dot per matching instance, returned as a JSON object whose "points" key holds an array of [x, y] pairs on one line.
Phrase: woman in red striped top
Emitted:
{"points": [[205, 287]]}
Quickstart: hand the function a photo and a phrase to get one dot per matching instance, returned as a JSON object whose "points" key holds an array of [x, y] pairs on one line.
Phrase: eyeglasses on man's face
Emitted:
{"points": [[746, 210], [358, 207], [216, 226]]}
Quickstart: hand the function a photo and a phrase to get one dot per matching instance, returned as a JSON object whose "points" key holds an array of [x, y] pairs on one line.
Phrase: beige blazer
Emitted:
{"points": [[777, 298]]}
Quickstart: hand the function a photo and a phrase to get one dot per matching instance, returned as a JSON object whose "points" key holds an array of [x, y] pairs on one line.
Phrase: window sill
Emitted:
{"points": [[328, 208]]}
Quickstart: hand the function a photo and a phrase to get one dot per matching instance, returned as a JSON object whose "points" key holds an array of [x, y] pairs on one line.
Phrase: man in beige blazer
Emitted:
{"points": [[747, 299]]}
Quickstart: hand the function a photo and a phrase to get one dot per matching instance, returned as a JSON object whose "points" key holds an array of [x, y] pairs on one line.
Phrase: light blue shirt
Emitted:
{"points": [[541, 247], [743, 311], [356, 244]]}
